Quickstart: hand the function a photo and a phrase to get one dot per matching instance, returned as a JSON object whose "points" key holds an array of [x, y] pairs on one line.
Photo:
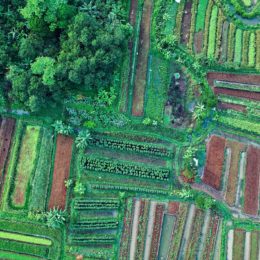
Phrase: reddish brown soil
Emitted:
{"points": [[173, 207], [240, 78], [240, 108], [61, 171], [6, 131], [214, 164], [238, 93], [156, 231], [132, 13], [232, 183], [198, 41], [142, 62], [252, 181], [186, 20]]}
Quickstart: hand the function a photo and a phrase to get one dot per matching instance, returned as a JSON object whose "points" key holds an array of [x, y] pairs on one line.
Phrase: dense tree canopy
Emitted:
{"points": [[50, 47]]}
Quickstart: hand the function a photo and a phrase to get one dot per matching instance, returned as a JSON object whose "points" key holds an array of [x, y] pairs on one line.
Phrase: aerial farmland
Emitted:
{"points": [[130, 129]]}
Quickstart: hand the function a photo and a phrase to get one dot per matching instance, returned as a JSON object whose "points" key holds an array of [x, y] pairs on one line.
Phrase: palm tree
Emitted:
{"points": [[83, 139], [55, 218]]}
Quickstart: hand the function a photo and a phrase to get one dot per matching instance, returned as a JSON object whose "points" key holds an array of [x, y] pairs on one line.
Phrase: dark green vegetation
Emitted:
{"points": [[52, 48], [134, 130]]}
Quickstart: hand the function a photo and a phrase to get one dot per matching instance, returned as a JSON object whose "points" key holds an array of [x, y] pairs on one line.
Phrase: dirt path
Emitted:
{"points": [[204, 234], [149, 233], [134, 229], [217, 250], [230, 245], [240, 178], [247, 246], [226, 172], [187, 232]]}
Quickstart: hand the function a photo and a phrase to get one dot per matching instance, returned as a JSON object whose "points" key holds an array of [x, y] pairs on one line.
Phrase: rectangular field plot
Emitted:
{"points": [[25, 165], [6, 132], [173, 230], [237, 167], [95, 225], [61, 171], [242, 244], [23, 240]]}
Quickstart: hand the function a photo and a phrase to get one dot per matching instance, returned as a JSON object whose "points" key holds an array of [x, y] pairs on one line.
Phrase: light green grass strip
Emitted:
{"points": [[25, 238], [240, 124], [251, 51], [240, 86], [16, 256], [201, 14], [212, 31], [25, 166], [238, 46]]}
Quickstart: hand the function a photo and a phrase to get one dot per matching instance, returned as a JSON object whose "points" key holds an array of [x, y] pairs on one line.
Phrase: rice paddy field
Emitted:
{"points": [[169, 170]]}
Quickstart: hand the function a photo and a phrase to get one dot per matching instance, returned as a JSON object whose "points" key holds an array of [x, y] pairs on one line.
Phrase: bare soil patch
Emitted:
{"points": [[61, 171], [238, 93], [252, 181], [214, 163], [143, 53]]}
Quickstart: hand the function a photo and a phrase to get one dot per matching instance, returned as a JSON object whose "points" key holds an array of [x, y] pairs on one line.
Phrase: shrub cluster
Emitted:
{"points": [[131, 146]]}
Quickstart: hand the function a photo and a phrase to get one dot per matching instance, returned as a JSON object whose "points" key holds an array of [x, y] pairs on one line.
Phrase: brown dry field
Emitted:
{"points": [[186, 22], [61, 172], [214, 163], [252, 181], [142, 62], [236, 149]]}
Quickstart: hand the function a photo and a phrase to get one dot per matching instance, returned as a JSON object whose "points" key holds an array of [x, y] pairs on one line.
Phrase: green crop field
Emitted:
{"points": [[129, 129]]}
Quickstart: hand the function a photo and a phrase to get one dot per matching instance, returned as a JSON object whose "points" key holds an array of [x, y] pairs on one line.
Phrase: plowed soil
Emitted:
{"points": [[186, 20], [238, 93], [214, 164], [143, 53], [252, 181], [61, 172]]}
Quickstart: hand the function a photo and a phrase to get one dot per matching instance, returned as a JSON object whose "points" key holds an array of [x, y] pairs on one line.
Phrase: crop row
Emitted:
{"points": [[103, 238], [85, 204], [131, 146], [127, 188], [98, 223], [126, 168]]}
